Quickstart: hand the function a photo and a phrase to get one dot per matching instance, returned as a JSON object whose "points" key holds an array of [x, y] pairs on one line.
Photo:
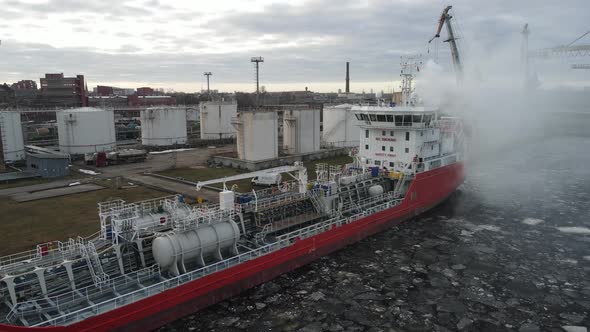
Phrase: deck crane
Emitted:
{"points": [[445, 19], [297, 167]]}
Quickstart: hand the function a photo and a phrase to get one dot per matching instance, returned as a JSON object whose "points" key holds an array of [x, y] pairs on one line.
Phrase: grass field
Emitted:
{"points": [[201, 174], [24, 225]]}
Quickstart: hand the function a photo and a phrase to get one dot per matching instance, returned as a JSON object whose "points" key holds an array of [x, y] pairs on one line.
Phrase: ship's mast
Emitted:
{"points": [[409, 64]]}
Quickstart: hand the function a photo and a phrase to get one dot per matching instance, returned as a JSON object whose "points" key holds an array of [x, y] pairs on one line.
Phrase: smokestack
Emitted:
{"points": [[347, 78]]}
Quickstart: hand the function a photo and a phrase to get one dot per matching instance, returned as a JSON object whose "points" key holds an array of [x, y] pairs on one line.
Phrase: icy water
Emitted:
{"points": [[510, 251]]}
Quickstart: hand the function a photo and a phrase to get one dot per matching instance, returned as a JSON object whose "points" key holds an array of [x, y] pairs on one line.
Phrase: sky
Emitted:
{"points": [[305, 43]]}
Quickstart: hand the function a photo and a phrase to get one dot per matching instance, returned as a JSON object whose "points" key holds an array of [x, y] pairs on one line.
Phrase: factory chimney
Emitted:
{"points": [[347, 78]]}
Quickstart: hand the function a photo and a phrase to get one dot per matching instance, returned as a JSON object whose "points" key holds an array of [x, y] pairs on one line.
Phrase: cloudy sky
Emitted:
{"points": [[170, 44]]}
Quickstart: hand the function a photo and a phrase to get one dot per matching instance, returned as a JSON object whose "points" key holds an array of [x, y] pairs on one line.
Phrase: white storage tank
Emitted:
{"points": [[340, 126], [11, 133], [163, 126], [257, 137], [301, 131], [86, 130], [216, 118]]}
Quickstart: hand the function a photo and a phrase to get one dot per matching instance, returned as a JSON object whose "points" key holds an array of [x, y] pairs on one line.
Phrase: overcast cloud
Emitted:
{"points": [[305, 43]]}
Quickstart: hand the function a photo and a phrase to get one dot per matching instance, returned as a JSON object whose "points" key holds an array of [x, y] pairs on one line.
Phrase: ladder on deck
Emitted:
{"points": [[315, 201], [94, 264]]}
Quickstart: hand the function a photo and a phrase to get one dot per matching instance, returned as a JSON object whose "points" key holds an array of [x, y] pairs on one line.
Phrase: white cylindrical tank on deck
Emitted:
{"points": [[163, 126], [301, 131], [11, 133], [216, 118], [257, 137], [375, 190], [171, 249], [86, 130], [340, 126]]}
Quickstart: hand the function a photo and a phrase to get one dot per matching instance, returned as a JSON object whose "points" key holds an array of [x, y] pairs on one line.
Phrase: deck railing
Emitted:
{"points": [[282, 241]]}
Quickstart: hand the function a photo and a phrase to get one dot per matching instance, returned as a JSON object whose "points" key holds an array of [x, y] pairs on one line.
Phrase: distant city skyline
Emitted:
{"points": [[304, 42]]}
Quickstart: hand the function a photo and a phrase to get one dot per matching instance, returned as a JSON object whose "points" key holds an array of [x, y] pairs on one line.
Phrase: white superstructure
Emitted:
{"points": [[301, 130], [340, 126], [163, 126], [216, 117], [11, 135], [86, 130], [257, 137], [394, 137]]}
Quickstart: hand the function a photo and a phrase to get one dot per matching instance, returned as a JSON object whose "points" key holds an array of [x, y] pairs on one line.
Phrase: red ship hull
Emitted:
{"points": [[426, 191]]}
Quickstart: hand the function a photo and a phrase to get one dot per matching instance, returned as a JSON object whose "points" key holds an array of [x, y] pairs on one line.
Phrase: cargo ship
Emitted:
{"points": [[155, 261]]}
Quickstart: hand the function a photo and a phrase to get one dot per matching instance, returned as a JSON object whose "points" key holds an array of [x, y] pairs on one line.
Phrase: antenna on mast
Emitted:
{"points": [[410, 64]]}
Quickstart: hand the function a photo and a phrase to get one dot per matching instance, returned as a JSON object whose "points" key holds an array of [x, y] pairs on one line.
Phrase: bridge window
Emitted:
{"points": [[389, 118], [399, 119], [417, 118], [381, 117], [373, 117]]}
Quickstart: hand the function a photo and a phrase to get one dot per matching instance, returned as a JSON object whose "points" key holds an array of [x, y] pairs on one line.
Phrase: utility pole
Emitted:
{"points": [[257, 61], [208, 73]]}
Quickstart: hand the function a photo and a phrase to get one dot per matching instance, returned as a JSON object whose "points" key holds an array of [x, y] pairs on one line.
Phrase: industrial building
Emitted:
{"points": [[86, 130], [47, 163], [139, 100], [162, 126], [301, 130], [341, 127], [257, 135], [216, 118], [60, 91], [103, 90], [12, 144]]}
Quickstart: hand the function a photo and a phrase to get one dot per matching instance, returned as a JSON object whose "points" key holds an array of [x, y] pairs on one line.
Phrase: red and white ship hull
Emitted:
{"points": [[426, 191]]}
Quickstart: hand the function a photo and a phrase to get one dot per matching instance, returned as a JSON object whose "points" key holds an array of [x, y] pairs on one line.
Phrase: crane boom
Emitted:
{"points": [[445, 19], [441, 21], [280, 169]]}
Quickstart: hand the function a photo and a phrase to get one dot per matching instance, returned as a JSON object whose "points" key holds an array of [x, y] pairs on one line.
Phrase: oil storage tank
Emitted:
{"points": [[340, 126], [216, 119], [12, 145], [301, 130], [257, 135], [86, 130], [163, 126]]}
